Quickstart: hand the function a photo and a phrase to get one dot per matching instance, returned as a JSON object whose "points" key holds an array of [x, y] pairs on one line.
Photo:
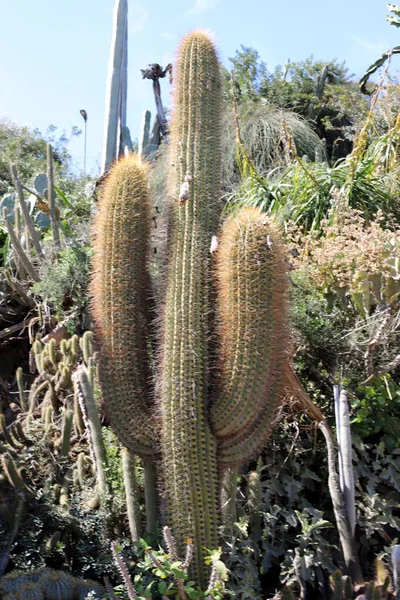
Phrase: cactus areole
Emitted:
{"points": [[209, 410]]}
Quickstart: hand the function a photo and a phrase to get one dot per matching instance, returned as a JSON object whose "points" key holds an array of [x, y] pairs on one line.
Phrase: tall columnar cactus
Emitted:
{"points": [[223, 324]]}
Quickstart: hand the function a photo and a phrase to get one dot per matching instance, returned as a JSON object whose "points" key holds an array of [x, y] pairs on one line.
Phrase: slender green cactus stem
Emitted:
{"points": [[86, 344], [29, 268], [84, 390], [337, 585], [22, 396], [79, 423], [151, 496], [348, 588], [131, 493], [64, 491], [25, 211], [66, 433], [188, 446], [52, 197], [7, 437], [13, 474]]}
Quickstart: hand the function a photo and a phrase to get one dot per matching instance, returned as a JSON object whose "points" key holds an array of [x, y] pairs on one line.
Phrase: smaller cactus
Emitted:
{"points": [[18, 433], [79, 423], [11, 582], [64, 491], [35, 392], [86, 345], [13, 474], [52, 542], [22, 396], [337, 580], [7, 437], [37, 349], [52, 351], [81, 469], [342, 586], [58, 585], [66, 433], [30, 591]]}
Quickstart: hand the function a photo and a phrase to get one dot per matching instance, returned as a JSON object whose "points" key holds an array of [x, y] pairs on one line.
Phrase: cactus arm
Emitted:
{"points": [[188, 447], [252, 283], [239, 450], [121, 290]]}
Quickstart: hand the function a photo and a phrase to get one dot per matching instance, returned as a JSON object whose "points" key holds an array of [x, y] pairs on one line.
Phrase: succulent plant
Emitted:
{"points": [[212, 412]]}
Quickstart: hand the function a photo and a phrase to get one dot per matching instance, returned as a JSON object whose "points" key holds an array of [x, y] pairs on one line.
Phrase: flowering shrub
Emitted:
{"points": [[352, 259]]}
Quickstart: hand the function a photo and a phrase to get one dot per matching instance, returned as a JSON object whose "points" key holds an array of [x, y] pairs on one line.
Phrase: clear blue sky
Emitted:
{"points": [[54, 53]]}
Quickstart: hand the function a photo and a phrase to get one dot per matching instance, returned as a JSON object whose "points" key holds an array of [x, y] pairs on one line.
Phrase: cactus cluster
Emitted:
{"points": [[57, 409], [48, 584], [54, 445], [199, 396]]}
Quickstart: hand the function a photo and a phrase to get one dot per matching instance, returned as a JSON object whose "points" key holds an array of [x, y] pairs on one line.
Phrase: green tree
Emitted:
{"points": [[249, 72], [26, 148]]}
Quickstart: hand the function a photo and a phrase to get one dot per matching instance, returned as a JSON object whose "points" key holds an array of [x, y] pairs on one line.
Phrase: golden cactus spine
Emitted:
{"points": [[121, 289]]}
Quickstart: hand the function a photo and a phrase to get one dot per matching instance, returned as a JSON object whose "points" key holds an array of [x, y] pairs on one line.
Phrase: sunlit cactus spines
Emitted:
{"points": [[58, 585], [188, 447], [252, 317], [199, 414], [121, 291]]}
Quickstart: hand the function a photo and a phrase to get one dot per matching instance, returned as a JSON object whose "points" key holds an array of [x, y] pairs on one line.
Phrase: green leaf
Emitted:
{"points": [[393, 21], [394, 9], [148, 589], [374, 67], [62, 197], [162, 587], [178, 573]]}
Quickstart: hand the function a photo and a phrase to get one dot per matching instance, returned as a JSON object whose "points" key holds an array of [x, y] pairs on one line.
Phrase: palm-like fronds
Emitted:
{"points": [[271, 137], [306, 192]]}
